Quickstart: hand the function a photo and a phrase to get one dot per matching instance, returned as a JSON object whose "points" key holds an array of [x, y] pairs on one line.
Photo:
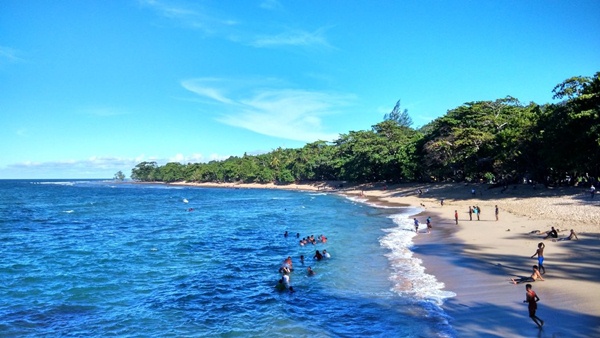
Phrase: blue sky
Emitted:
{"points": [[88, 88]]}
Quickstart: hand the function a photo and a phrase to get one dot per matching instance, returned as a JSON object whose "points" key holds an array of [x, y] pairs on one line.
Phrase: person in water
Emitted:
{"points": [[535, 275], [318, 256], [540, 253], [326, 254], [310, 271], [280, 286]]}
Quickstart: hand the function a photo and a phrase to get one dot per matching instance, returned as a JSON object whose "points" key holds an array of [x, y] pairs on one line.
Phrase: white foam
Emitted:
{"points": [[56, 183], [407, 272]]}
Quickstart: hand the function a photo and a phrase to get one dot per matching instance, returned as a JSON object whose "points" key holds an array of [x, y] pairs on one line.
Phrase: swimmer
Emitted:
{"points": [[326, 254], [318, 256], [280, 286], [310, 271]]}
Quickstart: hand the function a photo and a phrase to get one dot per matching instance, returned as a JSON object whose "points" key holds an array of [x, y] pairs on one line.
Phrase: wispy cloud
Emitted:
{"points": [[271, 4], [9, 54], [299, 38], [191, 15], [287, 113], [222, 25]]}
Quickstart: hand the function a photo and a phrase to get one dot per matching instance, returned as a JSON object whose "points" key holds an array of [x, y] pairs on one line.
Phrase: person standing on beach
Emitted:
{"points": [[592, 191], [416, 225], [429, 224], [470, 213], [477, 211], [496, 212], [540, 253], [456, 216], [532, 298]]}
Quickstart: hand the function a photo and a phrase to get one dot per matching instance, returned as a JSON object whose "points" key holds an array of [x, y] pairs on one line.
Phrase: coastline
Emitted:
{"points": [[476, 259]]}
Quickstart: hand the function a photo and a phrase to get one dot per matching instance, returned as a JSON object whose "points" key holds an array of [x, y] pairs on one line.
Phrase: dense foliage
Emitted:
{"points": [[501, 141]]}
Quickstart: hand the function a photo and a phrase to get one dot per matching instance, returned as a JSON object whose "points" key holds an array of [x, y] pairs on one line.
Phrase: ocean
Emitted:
{"points": [[99, 258]]}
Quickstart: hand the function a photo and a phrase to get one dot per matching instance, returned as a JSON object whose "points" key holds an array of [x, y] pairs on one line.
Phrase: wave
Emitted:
{"points": [[408, 273]]}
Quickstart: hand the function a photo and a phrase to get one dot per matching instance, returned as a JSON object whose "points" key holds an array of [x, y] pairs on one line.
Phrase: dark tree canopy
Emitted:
{"points": [[500, 141]]}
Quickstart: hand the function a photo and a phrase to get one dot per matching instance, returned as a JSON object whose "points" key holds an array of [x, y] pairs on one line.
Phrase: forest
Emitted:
{"points": [[499, 142]]}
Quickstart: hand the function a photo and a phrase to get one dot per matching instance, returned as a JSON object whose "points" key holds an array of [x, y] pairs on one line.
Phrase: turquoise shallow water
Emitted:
{"points": [[96, 259]]}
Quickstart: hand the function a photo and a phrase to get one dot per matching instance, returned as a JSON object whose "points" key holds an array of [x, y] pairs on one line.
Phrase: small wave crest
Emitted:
{"points": [[407, 272]]}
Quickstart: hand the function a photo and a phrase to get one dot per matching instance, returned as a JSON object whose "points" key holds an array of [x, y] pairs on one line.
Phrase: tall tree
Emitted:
{"points": [[399, 116]]}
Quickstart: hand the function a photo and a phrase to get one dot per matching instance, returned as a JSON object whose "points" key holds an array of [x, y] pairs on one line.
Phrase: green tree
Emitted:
{"points": [[399, 116], [119, 176], [145, 171]]}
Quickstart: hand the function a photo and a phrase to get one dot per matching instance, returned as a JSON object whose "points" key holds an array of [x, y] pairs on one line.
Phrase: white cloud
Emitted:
{"points": [[9, 54], [292, 114], [213, 22], [299, 38], [191, 15], [271, 4]]}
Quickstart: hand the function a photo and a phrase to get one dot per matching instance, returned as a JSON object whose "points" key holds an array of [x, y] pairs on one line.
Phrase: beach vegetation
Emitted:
{"points": [[502, 141]]}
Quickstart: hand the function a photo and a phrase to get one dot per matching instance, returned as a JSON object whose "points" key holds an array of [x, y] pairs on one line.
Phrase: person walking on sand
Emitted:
{"points": [[496, 211], [429, 224], [540, 253], [532, 298], [456, 216], [416, 225]]}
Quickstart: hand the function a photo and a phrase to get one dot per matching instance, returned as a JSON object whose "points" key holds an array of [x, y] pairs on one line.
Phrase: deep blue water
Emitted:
{"points": [[97, 259]]}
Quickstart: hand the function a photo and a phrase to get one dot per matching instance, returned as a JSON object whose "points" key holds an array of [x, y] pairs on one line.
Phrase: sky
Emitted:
{"points": [[89, 88]]}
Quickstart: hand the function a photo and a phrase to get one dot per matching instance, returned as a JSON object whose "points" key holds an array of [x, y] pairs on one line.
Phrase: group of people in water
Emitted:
{"points": [[287, 266]]}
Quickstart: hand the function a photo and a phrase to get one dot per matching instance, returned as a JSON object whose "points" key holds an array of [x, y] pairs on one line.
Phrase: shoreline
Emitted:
{"points": [[476, 259]]}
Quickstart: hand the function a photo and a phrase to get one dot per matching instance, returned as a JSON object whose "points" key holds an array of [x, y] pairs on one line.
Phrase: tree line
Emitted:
{"points": [[501, 141]]}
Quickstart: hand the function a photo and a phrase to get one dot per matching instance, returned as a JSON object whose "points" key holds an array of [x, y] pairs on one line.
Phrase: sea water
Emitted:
{"points": [[97, 259]]}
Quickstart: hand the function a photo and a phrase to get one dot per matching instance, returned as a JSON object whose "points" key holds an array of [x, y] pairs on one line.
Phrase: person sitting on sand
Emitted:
{"points": [[535, 275], [572, 236], [552, 233]]}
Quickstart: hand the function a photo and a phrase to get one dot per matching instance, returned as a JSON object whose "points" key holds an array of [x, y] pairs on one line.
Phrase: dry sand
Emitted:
{"points": [[476, 259]]}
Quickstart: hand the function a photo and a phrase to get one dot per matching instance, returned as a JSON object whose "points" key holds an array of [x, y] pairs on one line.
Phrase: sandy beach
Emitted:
{"points": [[476, 259]]}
